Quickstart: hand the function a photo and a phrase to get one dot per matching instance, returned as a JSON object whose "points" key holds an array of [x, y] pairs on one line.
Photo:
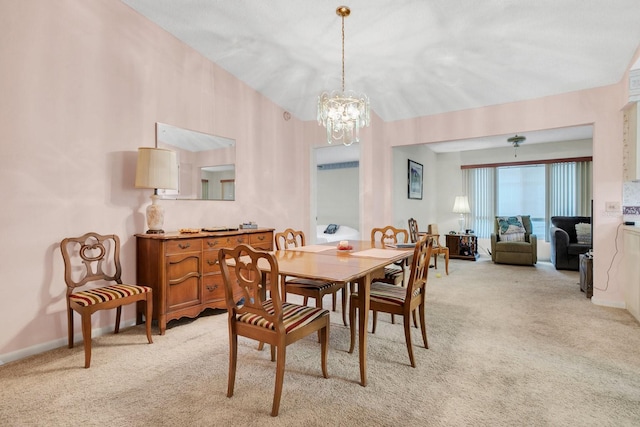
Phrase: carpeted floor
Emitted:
{"points": [[509, 346]]}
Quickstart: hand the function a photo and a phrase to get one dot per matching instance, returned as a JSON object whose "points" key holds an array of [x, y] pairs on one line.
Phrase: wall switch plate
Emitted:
{"points": [[612, 206]]}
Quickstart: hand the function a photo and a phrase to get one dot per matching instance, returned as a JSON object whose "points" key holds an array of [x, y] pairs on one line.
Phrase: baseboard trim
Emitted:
{"points": [[606, 303], [60, 342]]}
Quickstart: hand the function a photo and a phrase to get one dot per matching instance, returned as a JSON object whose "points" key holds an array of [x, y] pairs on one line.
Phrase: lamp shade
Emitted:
{"points": [[157, 168], [461, 205]]}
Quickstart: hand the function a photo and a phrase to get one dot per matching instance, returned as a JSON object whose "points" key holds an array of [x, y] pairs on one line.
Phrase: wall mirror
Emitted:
{"points": [[206, 163]]}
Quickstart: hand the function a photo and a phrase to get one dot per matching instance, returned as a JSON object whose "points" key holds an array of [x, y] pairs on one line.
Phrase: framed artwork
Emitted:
{"points": [[415, 180]]}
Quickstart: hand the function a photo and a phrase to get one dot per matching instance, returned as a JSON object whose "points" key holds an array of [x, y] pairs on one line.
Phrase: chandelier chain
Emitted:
{"points": [[343, 53]]}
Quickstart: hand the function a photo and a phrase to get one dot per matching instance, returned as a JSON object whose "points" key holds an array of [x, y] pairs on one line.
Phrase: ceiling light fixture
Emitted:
{"points": [[343, 113], [516, 141]]}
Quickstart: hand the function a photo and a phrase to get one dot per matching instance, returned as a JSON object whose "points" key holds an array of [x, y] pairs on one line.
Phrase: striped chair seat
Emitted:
{"points": [[293, 316], [386, 293], [309, 283], [107, 293]]}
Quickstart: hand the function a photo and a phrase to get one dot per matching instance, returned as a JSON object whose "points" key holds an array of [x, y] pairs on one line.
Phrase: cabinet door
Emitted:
{"points": [[183, 280]]}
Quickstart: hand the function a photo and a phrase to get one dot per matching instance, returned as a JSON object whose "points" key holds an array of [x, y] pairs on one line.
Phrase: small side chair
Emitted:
{"points": [[397, 300], [271, 320], [90, 258]]}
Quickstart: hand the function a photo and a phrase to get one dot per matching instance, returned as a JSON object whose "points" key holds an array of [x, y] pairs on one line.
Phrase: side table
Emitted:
{"points": [[463, 246]]}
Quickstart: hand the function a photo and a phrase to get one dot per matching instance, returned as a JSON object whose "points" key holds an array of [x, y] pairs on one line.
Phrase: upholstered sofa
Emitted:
{"points": [[512, 241], [565, 248]]}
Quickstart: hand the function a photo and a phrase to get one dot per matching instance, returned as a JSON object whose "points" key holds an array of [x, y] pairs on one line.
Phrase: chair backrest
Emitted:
{"points": [[389, 234], [242, 266], [91, 257], [413, 230], [289, 238], [419, 267], [432, 230]]}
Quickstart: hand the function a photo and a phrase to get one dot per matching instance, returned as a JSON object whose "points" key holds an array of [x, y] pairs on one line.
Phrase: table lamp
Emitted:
{"points": [[461, 206], [156, 168]]}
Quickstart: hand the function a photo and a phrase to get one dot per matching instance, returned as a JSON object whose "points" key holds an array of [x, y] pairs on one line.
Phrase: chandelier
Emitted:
{"points": [[343, 113], [516, 141]]}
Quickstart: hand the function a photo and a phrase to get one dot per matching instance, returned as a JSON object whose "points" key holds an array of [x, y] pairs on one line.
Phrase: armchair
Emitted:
{"points": [[565, 245], [512, 241]]}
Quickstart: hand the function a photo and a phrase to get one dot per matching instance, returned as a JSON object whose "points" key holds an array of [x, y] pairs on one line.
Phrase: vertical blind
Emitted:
{"points": [[568, 192]]}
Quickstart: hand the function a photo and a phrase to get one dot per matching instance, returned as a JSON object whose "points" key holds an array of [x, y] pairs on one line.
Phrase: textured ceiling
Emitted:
{"points": [[412, 58]]}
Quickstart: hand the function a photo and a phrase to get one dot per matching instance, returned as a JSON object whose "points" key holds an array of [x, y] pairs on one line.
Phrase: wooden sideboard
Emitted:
{"points": [[183, 269]]}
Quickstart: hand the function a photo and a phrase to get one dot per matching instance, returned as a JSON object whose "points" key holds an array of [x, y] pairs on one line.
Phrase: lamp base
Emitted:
{"points": [[155, 216], [461, 223]]}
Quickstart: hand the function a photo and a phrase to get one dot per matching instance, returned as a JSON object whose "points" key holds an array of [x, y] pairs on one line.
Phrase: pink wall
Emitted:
{"points": [[83, 84]]}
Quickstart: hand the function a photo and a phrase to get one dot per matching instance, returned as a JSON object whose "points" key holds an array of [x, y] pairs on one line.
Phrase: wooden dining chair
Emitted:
{"points": [[394, 273], [95, 258], [396, 300], [271, 321], [317, 289], [438, 249]]}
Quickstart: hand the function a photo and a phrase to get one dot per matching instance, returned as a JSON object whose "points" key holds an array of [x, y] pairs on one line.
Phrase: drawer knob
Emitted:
{"points": [[212, 262], [212, 288], [212, 243], [184, 246], [261, 237]]}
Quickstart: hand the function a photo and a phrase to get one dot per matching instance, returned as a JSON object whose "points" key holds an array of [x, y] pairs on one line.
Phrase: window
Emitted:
{"points": [[521, 190], [541, 190]]}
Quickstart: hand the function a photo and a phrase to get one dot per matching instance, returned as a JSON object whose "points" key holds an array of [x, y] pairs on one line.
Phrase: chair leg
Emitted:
{"points": [[306, 300], [70, 326], [423, 326], [233, 361], [324, 348], [407, 338], [86, 338], [333, 301], [415, 319], [375, 321], [118, 315], [446, 262], [344, 304], [352, 322], [280, 361], [148, 304], [435, 260]]}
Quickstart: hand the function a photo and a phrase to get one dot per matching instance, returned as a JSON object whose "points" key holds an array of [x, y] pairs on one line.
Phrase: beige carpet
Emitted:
{"points": [[512, 346]]}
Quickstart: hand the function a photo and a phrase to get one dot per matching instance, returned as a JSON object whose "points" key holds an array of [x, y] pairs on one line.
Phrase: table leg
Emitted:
{"points": [[364, 285]]}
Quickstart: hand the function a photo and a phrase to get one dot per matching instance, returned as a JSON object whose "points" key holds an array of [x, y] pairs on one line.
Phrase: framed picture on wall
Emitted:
{"points": [[415, 180]]}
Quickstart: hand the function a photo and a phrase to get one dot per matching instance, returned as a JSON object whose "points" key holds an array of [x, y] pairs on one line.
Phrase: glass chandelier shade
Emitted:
{"points": [[343, 113]]}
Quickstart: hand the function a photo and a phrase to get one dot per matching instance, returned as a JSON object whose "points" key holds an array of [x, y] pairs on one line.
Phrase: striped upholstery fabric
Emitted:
{"points": [[309, 282], [293, 316], [107, 293], [386, 293]]}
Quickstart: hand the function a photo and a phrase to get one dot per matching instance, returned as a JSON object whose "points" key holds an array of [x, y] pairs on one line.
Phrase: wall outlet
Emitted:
{"points": [[612, 206]]}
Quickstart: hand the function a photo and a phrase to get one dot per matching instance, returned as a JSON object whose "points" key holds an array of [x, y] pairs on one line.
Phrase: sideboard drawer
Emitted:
{"points": [[180, 246], [261, 240]]}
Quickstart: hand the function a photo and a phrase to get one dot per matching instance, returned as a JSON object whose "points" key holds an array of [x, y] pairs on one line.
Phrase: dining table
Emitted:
{"points": [[359, 264]]}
